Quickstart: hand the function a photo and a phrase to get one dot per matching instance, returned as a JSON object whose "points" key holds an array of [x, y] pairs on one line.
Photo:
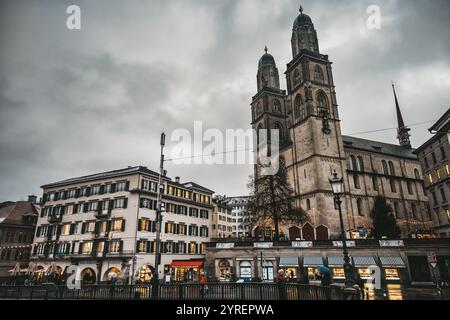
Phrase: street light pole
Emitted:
{"points": [[158, 221], [338, 188]]}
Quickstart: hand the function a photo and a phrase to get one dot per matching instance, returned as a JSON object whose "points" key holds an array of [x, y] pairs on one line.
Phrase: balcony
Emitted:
{"points": [[54, 218], [103, 214]]}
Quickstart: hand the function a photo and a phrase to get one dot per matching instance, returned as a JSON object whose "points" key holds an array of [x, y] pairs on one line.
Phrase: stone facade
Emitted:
{"points": [[313, 146]]}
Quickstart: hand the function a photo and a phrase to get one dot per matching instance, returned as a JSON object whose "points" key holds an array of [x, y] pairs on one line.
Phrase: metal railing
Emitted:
{"points": [[209, 291]]}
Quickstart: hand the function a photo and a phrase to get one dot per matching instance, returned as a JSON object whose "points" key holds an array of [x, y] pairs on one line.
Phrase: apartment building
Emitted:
{"points": [[243, 222], [433, 156], [105, 223], [223, 221]]}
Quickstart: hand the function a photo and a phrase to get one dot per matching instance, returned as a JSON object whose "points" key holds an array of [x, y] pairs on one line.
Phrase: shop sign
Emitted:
{"points": [[225, 245], [263, 245], [391, 243], [350, 244], [302, 244]]}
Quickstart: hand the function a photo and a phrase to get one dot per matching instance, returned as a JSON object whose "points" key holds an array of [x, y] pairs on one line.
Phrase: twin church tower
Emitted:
{"points": [[312, 145]]}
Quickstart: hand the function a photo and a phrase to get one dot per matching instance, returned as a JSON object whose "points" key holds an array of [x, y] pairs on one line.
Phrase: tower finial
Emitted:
{"points": [[265, 49], [301, 9]]}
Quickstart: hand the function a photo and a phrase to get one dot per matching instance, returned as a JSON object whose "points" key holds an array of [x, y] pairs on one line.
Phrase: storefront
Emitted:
{"points": [[363, 264], [245, 271], [336, 264], [290, 266], [393, 268], [310, 266], [187, 270], [144, 274], [224, 270]]}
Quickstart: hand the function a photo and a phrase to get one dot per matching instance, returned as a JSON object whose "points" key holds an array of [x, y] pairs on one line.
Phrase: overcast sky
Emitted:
{"points": [[76, 102]]}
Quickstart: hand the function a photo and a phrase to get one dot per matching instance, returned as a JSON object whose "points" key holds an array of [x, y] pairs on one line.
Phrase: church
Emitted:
{"points": [[311, 142]]}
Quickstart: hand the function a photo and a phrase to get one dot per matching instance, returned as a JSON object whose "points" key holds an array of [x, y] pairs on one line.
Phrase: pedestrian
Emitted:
{"points": [[305, 278], [360, 282], [280, 276], [325, 279]]}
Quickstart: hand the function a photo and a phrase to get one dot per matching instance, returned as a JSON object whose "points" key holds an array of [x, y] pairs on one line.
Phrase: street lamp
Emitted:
{"points": [[337, 184], [159, 209]]}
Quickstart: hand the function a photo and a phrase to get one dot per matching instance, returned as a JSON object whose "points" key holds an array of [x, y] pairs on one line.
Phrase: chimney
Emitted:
{"points": [[177, 179], [32, 199]]}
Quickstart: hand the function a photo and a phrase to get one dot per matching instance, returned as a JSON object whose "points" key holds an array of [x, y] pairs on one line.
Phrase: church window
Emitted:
{"points": [[259, 109], [413, 211], [417, 174], [297, 77], [278, 127], [393, 187], [322, 104], [356, 181], [385, 167], [409, 186], [299, 108], [276, 107], [391, 169], [308, 204], [375, 183], [318, 74], [359, 206]]}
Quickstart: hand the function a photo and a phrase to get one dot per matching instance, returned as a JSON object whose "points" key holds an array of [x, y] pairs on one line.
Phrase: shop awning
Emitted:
{"points": [[364, 261], [312, 261], [187, 264], [288, 261], [336, 261], [392, 262]]}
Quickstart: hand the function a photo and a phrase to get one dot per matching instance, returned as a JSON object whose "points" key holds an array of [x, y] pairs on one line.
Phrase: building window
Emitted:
{"points": [[447, 170], [393, 187], [438, 174], [204, 214], [430, 178], [65, 229], [356, 181], [444, 198], [359, 206], [375, 183], [433, 157], [318, 74], [120, 203], [433, 195], [115, 246], [391, 169], [86, 247], [385, 167], [417, 174], [425, 160], [308, 204], [276, 106], [409, 186], [117, 225], [322, 104]]}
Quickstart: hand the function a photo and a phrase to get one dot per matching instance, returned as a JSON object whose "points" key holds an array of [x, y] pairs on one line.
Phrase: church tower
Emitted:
{"points": [[269, 104], [402, 130]]}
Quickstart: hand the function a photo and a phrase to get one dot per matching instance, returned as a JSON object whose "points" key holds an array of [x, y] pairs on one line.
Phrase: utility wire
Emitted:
{"points": [[393, 128]]}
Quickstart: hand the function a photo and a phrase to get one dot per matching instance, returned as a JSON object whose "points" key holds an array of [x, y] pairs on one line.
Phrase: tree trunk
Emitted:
{"points": [[276, 236]]}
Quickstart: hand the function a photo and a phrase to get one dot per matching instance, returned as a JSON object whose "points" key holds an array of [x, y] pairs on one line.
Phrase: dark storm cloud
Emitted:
{"points": [[78, 102]]}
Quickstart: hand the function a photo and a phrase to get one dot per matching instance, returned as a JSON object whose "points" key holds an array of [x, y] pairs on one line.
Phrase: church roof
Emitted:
{"points": [[302, 19], [378, 147]]}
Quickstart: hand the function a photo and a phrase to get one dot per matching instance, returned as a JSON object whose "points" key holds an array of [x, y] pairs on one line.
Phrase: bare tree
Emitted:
{"points": [[271, 200]]}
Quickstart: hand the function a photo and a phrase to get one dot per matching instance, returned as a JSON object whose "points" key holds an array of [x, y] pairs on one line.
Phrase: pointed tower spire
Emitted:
{"points": [[402, 130]]}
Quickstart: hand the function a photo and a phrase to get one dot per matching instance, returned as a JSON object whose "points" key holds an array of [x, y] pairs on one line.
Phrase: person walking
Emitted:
{"points": [[360, 282]]}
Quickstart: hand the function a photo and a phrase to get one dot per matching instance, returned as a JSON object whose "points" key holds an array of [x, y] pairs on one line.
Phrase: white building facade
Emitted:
{"points": [[105, 223]]}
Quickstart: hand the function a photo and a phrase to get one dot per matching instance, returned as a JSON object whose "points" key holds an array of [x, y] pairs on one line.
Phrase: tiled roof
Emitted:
{"points": [[378, 147], [13, 213], [194, 185]]}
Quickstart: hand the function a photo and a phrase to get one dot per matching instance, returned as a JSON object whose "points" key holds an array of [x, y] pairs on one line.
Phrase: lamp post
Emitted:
{"points": [[337, 185], [159, 209]]}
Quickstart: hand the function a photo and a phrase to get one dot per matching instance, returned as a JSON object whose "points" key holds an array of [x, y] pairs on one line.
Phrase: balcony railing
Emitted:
{"points": [[103, 214]]}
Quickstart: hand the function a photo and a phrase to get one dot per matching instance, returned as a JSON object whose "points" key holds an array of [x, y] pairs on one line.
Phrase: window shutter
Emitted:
{"points": [[67, 251], [121, 246], [38, 231], [85, 207], [139, 225], [123, 225], [127, 186], [108, 226], [88, 191], [72, 229], [141, 203], [58, 230], [80, 248], [113, 187], [97, 227], [111, 205], [206, 231], [142, 184], [99, 206], [138, 245], [125, 203], [83, 228], [75, 208], [165, 227], [149, 226], [102, 189], [34, 249], [148, 246], [77, 193]]}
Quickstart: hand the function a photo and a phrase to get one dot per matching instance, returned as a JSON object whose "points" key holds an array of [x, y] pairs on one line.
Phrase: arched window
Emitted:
{"points": [[308, 204], [352, 163], [276, 106], [359, 206], [391, 169], [297, 77], [278, 127], [318, 74], [322, 103], [356, 181], [385, 167], [417, 174], [360, 164], [299, 108]]}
